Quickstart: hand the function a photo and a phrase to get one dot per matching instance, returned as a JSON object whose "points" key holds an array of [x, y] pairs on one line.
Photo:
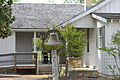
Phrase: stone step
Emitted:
{"points": [[83, 72], [45, 69]]}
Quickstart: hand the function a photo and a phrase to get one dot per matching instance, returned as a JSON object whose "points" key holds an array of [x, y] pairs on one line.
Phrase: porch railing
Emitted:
{"points": [[16, 61]]}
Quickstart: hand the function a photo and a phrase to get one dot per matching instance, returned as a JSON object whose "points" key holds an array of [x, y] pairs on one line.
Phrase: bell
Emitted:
{"points": [[53, 40]]}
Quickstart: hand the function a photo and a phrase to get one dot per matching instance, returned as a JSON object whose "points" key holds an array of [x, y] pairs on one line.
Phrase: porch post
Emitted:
{"points": [[35, 50], [35, 42]]}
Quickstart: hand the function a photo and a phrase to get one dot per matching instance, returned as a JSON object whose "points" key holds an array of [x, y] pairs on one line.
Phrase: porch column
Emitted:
{"points": [[35, 50], [35, 42]]}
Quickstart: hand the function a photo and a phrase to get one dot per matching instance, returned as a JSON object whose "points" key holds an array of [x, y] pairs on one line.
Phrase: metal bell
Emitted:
{"points": [[53, 40]]}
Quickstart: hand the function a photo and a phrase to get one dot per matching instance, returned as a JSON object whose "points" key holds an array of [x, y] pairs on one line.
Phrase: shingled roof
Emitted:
{"points": [[36, 15]]}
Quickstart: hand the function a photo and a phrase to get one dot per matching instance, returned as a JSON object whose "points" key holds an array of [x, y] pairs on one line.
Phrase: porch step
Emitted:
{"points": [[9, 75], [45, 69], [83, 72]]}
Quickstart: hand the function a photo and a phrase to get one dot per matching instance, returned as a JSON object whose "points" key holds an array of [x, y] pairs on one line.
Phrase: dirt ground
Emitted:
{"points": [[26, 77], [47, 77]]}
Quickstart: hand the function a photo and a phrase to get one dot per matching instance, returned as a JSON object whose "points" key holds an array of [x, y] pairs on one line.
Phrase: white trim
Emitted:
{"points": [[35, 50], [83, 27], [99, 18], [86, 13], [35, 42], [29, 30], [111, 20], [14, 33]]}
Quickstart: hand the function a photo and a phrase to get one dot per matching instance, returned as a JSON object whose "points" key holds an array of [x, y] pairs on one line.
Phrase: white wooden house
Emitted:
{"points": [[99, 22]]}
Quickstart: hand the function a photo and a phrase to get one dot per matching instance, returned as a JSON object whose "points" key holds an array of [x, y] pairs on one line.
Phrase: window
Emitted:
{"points": [[102, 37]]}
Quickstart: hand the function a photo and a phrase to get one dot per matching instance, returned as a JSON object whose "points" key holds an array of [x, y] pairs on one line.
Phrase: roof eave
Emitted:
{"points": [[99, 18], [85, 13], [29, 29]]}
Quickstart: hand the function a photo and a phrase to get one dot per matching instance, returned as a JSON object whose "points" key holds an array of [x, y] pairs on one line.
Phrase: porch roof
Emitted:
{"points": [[108, 15], [37, 15]]}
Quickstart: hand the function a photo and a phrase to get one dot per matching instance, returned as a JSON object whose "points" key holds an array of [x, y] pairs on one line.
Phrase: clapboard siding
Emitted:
{"points": [[85, 57], [111, 28], [7, 45], [24, 41], [24, 44], [93, 59], [85, 22], [112, 7], [90, 57]]}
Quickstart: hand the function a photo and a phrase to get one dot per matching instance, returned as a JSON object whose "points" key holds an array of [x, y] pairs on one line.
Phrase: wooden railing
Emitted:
{"points": [[13, 61]]}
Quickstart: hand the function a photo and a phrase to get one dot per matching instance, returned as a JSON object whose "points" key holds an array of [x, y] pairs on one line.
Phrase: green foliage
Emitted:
{"points": [[74, 39], [38, 44], [6, 18], [115, 52], [116, 39], [112, 69], [53, 47], [96, 1], [16, 0], [111, 51]]}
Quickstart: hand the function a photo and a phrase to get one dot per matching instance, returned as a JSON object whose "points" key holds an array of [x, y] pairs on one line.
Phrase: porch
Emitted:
{"points": [[12, 64], [25, 41]]}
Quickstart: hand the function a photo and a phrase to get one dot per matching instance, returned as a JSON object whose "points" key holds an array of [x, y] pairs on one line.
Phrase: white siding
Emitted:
{"points": [[93, 59], [111, 7], [24, 41], [90, 58], [24, 44], [7, 45], [85, 57], [111, 28], [98, 44], [85, 22]]}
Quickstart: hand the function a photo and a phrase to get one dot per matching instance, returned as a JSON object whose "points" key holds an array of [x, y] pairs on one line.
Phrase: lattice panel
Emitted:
{"points": [[107, 60]]}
